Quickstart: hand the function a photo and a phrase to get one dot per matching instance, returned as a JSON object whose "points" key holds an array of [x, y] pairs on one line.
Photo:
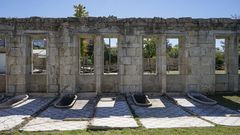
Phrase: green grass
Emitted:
{"points": [[218, 130], [232, 102]]}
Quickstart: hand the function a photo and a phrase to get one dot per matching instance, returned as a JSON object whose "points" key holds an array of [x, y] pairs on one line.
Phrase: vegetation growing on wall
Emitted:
{"points": [[80, 11]]}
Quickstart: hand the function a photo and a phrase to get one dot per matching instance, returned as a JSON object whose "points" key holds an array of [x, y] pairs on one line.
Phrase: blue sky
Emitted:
{"points": [[122, 8]]}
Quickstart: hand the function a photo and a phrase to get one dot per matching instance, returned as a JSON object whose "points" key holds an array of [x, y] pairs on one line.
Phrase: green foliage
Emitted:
{"points": [[86, 51], [219, 56], [149, 48], [84, 47], [172, 51], [219, 59], [80, 11], [110, 54]]}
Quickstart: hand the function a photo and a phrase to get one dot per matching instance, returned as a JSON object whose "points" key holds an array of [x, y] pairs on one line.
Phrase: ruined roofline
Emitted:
{"points": [[97, 24], [114, 19]]}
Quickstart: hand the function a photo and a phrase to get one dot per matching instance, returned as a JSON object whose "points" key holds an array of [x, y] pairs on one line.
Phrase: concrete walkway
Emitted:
{"points": [[164, 114], [12, 117], [216, 113], [53, 118], [113, 114]]}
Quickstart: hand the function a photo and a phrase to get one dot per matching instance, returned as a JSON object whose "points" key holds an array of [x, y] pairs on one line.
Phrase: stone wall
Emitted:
{"points": [[196, 54]]}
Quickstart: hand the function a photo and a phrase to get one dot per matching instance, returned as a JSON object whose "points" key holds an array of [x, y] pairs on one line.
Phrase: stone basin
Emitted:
{"points": [[14, 101], [66, 101], [141, 100], [201, 98]]}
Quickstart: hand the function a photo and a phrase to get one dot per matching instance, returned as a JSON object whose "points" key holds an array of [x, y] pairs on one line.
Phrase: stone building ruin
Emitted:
{"points": [[71, 67]]}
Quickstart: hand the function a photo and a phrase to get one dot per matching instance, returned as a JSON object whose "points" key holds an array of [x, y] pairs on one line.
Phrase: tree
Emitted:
{"points": [[149, 48], [80, 11], [149, 53], [219, 56], [235, 16], [172, 53]]}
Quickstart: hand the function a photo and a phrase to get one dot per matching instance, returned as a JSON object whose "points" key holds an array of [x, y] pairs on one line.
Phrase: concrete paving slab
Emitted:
{"points": [[113, 114], [74, 118], [215, 113], [164, 114], [12, 117]]}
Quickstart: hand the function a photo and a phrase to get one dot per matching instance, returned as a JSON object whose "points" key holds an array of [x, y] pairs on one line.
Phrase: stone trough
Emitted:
{"points": [[141, 100], [14, 101], [201, 98], [66, 101]]}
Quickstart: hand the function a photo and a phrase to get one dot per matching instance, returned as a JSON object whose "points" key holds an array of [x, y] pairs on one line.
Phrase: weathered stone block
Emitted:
{"points": [[66, 69], [136, 61], [16, 79], [15, 52], [130, 89], [221, 87], [206, 88], [11, 89], [192, 87], [193, 79], [67, 51], [195, 61], [53, 51], [131, 80], [208, 79], [126, 60], [207, 61], [66, 60], [139, 51], [195, 52], [53, 79], [17, 69], [130, 70], [131, 52], [21, 88], [53, 88]]}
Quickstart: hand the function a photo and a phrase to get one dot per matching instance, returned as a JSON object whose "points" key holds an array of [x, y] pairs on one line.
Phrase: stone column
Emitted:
{"points": [[28, 77], [53, 62], [130, 64], [67, 61], [183, 60], [201, 62], [16, 64], [232, 62], [98, 62], [161, 62]]}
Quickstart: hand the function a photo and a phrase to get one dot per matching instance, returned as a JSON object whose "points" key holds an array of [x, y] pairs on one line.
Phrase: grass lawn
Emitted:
{"points": [[228, 101], [218, 130]]}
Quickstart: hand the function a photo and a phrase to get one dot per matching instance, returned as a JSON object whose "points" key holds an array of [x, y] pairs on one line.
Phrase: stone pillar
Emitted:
{"points": [[16, 64], [130, 64], [183, 60], [161, 62], [201, 62], [67, 61], [98, 62], [29, 65], [232, 62], [53, 63]]}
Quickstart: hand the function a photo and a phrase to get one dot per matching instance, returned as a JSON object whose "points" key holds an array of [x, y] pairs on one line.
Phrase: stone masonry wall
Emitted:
{"points": [[196, 55]]}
